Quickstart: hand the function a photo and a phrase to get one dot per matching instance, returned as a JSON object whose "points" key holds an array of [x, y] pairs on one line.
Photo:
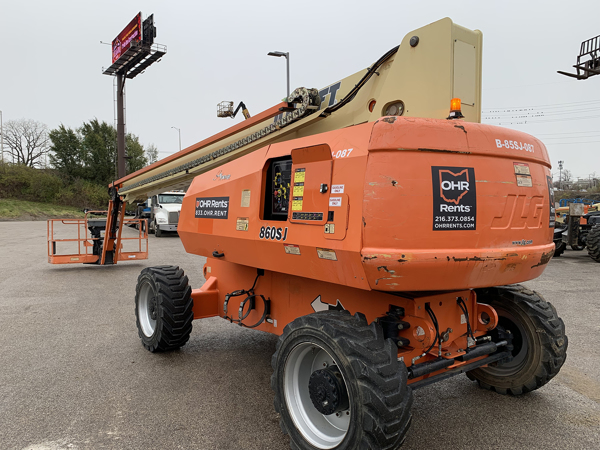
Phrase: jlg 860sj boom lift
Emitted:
{"points": [[380, 237]]}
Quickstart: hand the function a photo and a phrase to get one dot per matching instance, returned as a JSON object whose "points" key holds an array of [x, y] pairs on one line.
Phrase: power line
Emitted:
{"points": [[550, 105], [564, 119], [525, 85], [569, 132], [544, 113], [571, 137], [572, 143]]}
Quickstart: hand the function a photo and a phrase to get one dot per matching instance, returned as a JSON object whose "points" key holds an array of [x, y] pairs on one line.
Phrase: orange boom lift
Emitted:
{"points": [[378, 234]]}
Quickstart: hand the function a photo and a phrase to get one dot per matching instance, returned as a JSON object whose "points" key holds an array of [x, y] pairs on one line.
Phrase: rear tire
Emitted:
{"points": [[376, 413], [539, 340], [163, 308], [593, 243], [559, 248]]}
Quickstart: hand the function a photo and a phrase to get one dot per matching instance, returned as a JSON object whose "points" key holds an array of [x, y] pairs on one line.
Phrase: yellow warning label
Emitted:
{"points": [[299, 177], [296, 205], [299, 190], [242, 224]]}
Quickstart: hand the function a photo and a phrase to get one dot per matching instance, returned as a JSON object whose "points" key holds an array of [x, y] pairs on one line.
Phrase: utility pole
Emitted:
{"points": [[560, 167], [120, 126]]}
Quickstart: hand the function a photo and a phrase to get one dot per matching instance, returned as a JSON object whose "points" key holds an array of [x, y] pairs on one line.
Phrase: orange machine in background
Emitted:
{"points": [[105, 243]]}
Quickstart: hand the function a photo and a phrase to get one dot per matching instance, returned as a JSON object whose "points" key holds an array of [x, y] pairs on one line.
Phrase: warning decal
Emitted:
{"points": [[291, 249], [246, 198], [299, 175], [297, 204], [242, 224], [298, 190], [335, 201], [454, 198], [523, 175], [326, 253]]}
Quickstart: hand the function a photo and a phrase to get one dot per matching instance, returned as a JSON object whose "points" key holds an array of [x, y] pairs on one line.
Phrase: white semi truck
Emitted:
{"points": [[164, 212]]}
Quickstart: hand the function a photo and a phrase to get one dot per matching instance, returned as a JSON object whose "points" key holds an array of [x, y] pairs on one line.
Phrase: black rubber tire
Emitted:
{"points": [[170, 294], [559, 248], [593, 243], [539, 340], [577, 248], [157, 231], [380, 399]]}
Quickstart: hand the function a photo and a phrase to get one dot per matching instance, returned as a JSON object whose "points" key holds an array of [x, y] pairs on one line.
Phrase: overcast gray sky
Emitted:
{"points": [[51, 61]]}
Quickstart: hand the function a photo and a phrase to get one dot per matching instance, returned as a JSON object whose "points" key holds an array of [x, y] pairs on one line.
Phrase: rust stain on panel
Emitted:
{"points": [[545, 259]]}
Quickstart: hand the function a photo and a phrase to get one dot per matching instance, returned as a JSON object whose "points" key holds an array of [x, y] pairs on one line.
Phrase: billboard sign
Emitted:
{"points": [[131, 33]]}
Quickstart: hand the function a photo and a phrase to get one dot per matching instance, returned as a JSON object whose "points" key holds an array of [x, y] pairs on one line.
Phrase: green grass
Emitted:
{"points": [[23, 210]]}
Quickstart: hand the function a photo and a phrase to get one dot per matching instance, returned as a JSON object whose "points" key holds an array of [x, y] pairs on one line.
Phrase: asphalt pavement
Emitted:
{"points": [[74, 375]]}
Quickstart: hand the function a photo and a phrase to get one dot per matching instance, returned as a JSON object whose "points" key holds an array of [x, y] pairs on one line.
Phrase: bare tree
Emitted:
{"points": [[27, 141], [152, 154]]}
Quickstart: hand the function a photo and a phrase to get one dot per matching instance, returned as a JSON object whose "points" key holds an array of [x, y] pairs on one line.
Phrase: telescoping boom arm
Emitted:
{"points": [[418, 78]]}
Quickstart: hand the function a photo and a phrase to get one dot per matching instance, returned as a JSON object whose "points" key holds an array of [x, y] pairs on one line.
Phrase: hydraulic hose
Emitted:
{"points": [[370, 72]]}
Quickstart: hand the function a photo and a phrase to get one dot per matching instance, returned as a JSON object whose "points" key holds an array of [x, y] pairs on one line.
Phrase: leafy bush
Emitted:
{"points": [[14, 180], [83, 194], [45, 185]]}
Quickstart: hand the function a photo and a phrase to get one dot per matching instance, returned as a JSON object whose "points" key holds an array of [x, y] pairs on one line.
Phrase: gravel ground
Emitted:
{"points": [[73, 374]]}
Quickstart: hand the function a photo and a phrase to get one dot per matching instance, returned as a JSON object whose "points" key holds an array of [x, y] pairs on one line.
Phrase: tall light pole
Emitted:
{"points": [[179, 131], [560, 167], [287, 58]]}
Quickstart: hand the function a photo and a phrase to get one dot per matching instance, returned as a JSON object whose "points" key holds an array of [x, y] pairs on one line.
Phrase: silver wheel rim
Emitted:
{"points": [[147, 310], [319, 430]]}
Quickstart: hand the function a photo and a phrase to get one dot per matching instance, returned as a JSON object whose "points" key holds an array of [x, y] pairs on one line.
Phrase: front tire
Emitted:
{"points": [[339, 385], [157, 231], [539, 341], [593, 243], [163, 308]]}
